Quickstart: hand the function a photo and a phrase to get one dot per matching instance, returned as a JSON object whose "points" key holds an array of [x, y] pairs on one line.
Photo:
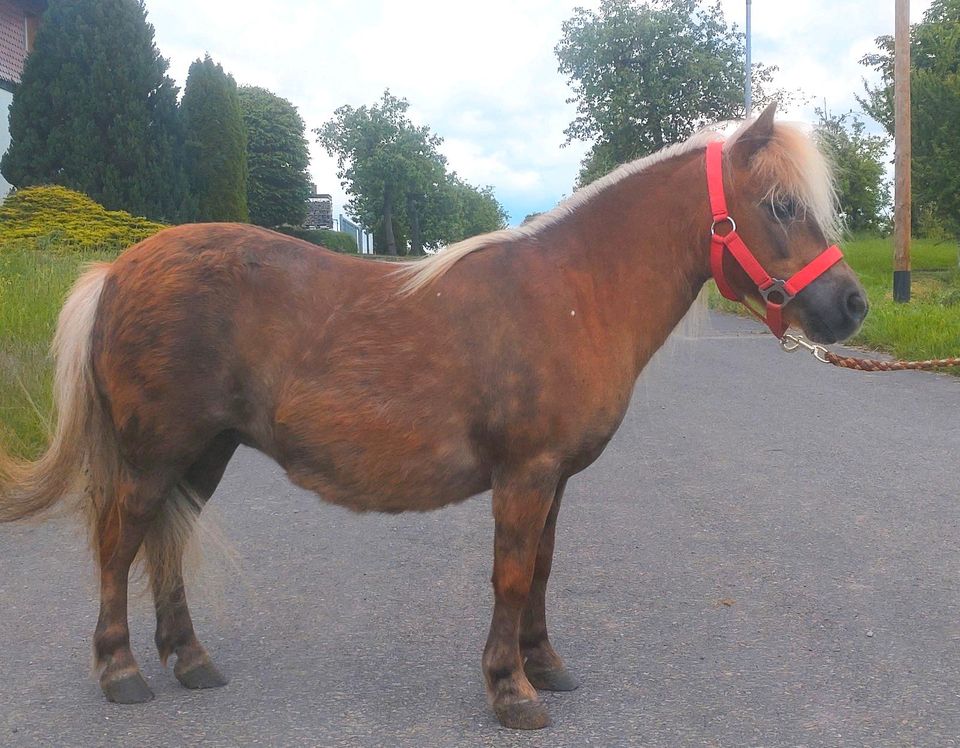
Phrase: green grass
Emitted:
{"points": [[928, 326], [33, 285]]}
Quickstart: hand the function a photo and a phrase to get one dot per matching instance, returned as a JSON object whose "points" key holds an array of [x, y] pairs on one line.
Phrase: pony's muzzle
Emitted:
{"points": [[832, 308]]}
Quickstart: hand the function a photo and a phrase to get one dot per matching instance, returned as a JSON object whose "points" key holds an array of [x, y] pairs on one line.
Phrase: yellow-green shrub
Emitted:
{"points": [[53, 217]]}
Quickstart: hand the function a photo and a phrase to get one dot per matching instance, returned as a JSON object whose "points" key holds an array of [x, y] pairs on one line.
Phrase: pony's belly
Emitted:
{"points": [[362, 481]]}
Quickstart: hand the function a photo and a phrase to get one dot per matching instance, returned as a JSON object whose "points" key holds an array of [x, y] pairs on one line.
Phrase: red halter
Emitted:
{"points": [[731, 241]]}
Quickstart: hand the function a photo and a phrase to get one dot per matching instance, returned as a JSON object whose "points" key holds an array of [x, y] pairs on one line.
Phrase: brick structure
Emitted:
{"points": [[319, 210]]}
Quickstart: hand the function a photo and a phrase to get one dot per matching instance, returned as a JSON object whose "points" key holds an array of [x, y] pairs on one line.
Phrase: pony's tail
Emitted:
{"points": [[83, 437]]}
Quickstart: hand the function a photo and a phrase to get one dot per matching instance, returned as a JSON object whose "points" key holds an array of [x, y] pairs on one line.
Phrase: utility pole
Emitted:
{"points": [[902, 155], [747, 85]]}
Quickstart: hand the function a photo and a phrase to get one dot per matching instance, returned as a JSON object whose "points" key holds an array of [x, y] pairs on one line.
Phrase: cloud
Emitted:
{"points": [[482, 75], [817, 45]]}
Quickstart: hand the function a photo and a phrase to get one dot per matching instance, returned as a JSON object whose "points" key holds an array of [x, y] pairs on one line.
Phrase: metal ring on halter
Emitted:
{"points": [[777, 286], [713, 226]]}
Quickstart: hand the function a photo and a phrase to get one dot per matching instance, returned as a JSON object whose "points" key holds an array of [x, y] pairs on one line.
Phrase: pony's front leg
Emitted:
{"points": [[521, 502], [541, 663]]}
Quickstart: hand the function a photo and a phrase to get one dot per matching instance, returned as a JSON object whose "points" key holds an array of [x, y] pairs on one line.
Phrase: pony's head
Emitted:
{"points": [[779, 189]]}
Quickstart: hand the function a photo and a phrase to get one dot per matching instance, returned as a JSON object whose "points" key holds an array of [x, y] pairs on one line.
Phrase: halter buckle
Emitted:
{"points": [[779, 287]]}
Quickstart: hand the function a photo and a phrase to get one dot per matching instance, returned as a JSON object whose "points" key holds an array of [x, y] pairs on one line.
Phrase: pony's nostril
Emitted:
{"points": [[856, 305]]}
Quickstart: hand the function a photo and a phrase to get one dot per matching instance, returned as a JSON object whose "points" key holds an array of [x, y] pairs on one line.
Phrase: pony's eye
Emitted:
{"points": [[782, 208]]}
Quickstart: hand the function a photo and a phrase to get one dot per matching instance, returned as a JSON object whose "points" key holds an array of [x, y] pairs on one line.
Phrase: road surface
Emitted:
{"points": [[767, 554]]}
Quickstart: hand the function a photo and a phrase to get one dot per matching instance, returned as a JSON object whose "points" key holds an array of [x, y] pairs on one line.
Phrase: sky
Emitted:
{"points": [[483, 75]]}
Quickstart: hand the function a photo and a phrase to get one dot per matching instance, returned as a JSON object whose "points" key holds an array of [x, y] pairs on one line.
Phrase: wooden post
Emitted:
{"points": [[901, 200]]}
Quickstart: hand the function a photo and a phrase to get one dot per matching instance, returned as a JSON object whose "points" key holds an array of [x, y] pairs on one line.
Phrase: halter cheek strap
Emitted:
{"points": [[783, 291]]}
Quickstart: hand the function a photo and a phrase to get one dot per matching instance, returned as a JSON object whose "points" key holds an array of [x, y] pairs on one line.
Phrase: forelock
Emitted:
{"points": [[793, 164]]}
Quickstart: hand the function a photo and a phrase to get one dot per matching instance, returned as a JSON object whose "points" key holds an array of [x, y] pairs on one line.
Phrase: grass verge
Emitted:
{"points": [[33, 286], [928, 326]]}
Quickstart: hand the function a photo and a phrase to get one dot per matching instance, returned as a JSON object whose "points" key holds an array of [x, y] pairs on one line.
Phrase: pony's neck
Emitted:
{"points": [[644, 242]]}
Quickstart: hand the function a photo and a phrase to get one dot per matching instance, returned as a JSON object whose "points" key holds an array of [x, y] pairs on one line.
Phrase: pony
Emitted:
{"points": [[526, 344]]}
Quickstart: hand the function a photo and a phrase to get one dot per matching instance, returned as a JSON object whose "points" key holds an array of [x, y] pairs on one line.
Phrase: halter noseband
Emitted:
{"points": [[731, 241]]}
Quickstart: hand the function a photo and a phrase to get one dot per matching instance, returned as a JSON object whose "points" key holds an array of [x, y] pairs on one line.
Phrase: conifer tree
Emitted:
{"points": [[277, 158], [215, 144], [96, 112]]}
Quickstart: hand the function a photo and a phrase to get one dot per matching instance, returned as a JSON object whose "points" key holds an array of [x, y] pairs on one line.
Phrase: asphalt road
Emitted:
{"points": [[767, 554]]}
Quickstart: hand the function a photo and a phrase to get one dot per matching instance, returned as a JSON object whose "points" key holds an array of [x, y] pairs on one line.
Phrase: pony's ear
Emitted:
{"points": [[755, 138]]}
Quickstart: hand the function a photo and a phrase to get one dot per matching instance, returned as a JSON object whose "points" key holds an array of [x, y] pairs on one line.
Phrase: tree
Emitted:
{"points": [[457, 211], [443, 209], [934, 105], [215, 144], [422, 188], [96, 112], [398, 182], [858, 160], [477, 210], [386, 164], [277, 158], [648, 74]]}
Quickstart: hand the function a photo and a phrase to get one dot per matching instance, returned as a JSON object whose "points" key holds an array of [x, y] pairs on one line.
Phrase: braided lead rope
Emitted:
{"points": [[791, 343], [872, 364]]}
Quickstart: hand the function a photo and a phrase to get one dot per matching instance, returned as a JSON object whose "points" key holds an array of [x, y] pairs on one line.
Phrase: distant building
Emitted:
{"points": [[319, 210], [19, 20], [320, 216]]}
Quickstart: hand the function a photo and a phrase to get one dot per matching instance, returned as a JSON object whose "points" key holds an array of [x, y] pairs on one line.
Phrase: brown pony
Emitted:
{"points": [[526, 345]]}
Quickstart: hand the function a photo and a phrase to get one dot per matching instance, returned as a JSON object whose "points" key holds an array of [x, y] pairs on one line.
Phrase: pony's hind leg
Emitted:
{"points": [[121, 526], [543, 666], [164, 552], [175, 634], [521, 503]]}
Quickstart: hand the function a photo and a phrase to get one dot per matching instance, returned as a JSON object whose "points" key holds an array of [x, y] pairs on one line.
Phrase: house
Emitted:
{"points": [[19, 20]]}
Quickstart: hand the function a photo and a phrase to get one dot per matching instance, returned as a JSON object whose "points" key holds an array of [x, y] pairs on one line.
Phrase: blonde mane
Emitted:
{"points": [[791, 161]]}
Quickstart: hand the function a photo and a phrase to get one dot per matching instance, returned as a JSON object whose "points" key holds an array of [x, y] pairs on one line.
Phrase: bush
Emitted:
{"points": [[53, 217], [338, 241]]}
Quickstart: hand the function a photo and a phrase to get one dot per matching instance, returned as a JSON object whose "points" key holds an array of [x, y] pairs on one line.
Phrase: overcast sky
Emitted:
{"points": [[483, 75]]}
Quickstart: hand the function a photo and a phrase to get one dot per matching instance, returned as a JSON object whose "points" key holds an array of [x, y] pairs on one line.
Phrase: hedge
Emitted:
{"points": [[54, 217], [338, 241]]}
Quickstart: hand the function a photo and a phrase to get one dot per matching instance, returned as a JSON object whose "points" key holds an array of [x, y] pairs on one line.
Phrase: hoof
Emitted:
{"points": [[127, 689], [204, 675], [522, 715], [556, 679]]}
